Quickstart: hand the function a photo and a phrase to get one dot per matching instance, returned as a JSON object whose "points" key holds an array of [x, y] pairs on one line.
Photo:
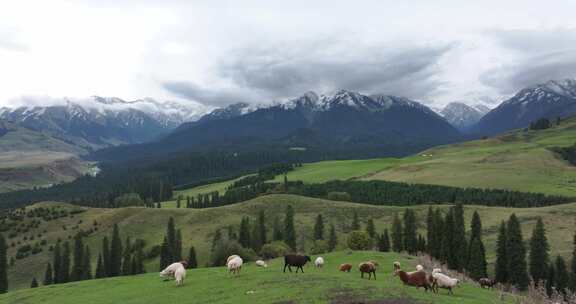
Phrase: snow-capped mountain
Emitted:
{"points": [[463, 116], [366, 125], [555, 98], [101, 122]]}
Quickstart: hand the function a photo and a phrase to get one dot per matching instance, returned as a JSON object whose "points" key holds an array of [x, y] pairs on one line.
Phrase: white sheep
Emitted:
{"points": [[261, 263], [319, 262], [443, 281], [175, 270], [234, 264], [419, 268]]}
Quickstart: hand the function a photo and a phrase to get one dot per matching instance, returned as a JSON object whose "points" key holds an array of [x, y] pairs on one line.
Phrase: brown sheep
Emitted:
{"points": [[345, 267], [486, 282], [369, 268], [416, 278]]}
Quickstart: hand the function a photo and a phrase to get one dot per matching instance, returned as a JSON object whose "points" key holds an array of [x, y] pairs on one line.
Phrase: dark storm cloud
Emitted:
{"points": [[545, 55], [278, 73]]}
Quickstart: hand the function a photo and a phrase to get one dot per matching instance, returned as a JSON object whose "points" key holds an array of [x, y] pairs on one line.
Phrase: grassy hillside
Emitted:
{"points": [[261, 285], [33, 159], [519, 160], [198, 226]]}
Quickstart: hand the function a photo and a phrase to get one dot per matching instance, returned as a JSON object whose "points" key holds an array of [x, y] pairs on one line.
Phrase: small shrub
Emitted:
{"points": [[359, 240]]}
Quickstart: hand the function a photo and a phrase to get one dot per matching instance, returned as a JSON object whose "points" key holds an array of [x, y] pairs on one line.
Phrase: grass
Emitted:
{"points": [[198, 226], [260, 285]]}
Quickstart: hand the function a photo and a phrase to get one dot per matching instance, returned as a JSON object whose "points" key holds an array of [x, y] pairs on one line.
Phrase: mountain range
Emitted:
{"points": [[102, 122], [373, 125], [463, 116], [555, 98]]}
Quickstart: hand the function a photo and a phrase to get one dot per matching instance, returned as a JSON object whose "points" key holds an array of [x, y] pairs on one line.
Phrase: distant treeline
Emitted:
{"points": [[153, 182], [568, 153], [382, 193]]}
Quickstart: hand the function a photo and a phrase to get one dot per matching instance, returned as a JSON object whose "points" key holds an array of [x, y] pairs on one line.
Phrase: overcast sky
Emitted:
{"points": [[220, 52]]}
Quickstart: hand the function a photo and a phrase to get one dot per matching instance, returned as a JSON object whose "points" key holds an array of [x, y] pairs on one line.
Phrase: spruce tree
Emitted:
{"points": [[139, 262], [539, 248], [436, 245], [355, 221], [127, 258], [550, 279], [262, 228], [115, 253], [48, 275], [277, 232], [244, 233], [517, 268], [384, 244], [171, 240], [431, 234], [100, 269], [255, 242], [332, 239], [421, 243], [87, 264], [448, 242], [106, 256], [397, 231], [370, 228], [178, 246], [65, 271], [77, 267], [572, 285], [57, 262], [3, 265], [409, 236], [561, 277], [476, 264], [319, 228], [192, 262], [460, 243], [34, 283], [165, 254], [501, 265], [289, 231]]}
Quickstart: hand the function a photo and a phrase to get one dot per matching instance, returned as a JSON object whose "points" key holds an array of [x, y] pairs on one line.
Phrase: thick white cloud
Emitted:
{"points": [[216, 52]]}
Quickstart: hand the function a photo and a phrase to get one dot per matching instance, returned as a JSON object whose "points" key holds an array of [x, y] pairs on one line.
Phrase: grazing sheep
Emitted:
{"points": [[345, 267], [486, 282], [415, 278], [319, 262], [234, 264], [369, 268], [295, 260], [261, 263], [443, 281], [175, 270]]}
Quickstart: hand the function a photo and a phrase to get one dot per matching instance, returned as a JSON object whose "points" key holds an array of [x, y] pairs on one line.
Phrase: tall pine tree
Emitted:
{"points": [[460, 244], [431, 233], [127, 258], [48, 275], [277, 232], [409, 236], [517, 268], [100, 269], [34, 283], [539, 256], [192, 261], [289, 230], [262, 228], [384, 242], [244, 234], [3, 265], [476, 264], [319, 228], [165, 254], [501, 265], [397, 231], [77, 266], [57, 262], [106, 256], [115, 253], [448, 241], [178, 246], [332, 239], [355, 221], [171, 240], [86, 264], [561, 277], [65, 264], [370, 229], [436, 245]]}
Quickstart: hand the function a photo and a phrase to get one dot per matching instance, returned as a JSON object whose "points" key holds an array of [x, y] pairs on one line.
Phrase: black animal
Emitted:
{"points": [[295, 260], [486, 282]]}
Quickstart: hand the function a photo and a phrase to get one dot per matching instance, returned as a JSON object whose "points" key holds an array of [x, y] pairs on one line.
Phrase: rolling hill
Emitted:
{"points": [[262, 285], [34, 159], [199, 225]]}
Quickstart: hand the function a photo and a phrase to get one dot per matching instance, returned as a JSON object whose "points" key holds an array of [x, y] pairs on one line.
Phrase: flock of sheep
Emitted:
{"points": [[418, 278]]}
